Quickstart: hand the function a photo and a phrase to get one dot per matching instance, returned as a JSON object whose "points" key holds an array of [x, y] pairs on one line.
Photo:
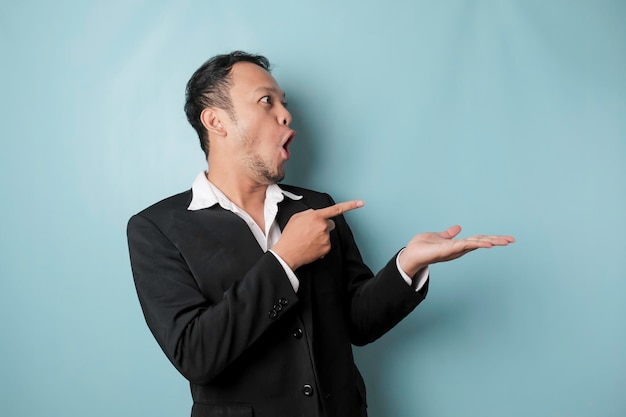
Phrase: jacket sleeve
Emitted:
{"points": [[376, 303], [201, 337]]}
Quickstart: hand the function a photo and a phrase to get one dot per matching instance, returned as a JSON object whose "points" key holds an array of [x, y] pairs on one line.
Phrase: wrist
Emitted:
{"points": [[409, 268], [286, 256]]}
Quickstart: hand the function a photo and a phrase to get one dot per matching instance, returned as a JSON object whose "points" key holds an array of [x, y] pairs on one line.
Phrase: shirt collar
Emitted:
{"points": [[205, 194]]}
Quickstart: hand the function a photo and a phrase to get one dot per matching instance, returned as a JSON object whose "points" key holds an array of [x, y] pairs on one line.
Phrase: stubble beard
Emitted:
{"points": [[263, 171], [257, 165]]}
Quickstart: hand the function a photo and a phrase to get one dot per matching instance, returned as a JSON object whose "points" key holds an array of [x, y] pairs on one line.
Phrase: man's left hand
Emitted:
{"points": [[429, 248]]}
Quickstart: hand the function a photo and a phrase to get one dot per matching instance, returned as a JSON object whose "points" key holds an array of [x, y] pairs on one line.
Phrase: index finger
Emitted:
{"points": [[339, 208]]}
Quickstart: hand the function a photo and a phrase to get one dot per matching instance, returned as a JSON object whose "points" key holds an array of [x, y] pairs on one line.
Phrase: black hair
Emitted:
{"points": [[209, 87]]}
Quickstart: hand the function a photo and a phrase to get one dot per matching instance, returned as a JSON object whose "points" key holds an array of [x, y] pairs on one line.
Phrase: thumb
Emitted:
{"points": [[451, 232]]}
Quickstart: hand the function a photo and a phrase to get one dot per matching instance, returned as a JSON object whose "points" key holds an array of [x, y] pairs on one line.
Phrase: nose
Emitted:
{"points": [[284, 117]]}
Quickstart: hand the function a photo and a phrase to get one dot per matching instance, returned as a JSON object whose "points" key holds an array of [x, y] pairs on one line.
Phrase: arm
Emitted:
{"points": [[380, 303], [370, 306], [202, 332], [376, 304]]}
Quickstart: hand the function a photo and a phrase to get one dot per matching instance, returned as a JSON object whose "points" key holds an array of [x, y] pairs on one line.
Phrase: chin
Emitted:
{"points": [[277, 177], [272, 177]]}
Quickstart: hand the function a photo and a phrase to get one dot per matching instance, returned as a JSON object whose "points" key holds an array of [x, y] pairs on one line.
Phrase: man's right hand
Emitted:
{"points": [[306, 237]]}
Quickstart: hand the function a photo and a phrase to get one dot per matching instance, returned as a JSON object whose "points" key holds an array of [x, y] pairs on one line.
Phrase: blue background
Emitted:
{"points": [[502, 116]]}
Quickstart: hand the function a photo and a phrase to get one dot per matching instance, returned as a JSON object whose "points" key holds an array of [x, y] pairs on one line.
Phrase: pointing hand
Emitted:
{"points": [[306, 237]]}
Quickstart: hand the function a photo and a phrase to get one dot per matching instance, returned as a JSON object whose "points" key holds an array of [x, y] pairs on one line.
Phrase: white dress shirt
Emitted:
{"points": [[205, 194]]}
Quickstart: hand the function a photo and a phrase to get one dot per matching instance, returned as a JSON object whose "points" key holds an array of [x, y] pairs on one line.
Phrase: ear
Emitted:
{"points": [[211, 120]]}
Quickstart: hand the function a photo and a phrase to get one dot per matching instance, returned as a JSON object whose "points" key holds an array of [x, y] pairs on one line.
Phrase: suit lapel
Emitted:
{"points": [[288, 208]]}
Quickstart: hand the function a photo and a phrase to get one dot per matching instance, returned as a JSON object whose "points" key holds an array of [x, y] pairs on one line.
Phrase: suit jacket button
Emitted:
{"points": [[278, 307], [283, 301], [307, 390], [297, 333], [273, 314]]}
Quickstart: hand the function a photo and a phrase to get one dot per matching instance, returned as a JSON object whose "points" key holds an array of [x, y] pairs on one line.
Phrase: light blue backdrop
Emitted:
{"points": [[503, 116]]}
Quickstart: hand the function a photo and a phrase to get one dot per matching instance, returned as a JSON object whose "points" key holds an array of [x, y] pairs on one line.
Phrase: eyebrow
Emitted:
{"points": [[272, 90]]}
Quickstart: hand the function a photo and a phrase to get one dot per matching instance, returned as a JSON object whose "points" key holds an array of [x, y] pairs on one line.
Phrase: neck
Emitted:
{"points": [[240, 189]]}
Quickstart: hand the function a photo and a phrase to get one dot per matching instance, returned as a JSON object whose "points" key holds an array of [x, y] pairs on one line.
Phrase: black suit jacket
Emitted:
{"points": [[227, 317]]}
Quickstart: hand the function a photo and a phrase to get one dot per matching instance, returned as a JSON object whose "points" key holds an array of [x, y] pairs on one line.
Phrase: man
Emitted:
{"points": [[256, 292]]}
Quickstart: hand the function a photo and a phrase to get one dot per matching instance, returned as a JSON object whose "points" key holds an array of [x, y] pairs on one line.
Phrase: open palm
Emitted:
{"points": [[429, 248]]}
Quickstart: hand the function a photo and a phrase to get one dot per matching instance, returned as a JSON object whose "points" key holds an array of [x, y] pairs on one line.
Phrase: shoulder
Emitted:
{"points": [[166, 207]]}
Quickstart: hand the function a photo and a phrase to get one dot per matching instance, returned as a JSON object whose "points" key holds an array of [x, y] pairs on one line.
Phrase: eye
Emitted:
{"points": [[266, 100], [285, 104]]}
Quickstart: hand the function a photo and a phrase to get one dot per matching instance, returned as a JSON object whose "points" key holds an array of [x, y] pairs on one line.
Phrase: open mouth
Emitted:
{"points": [[287, 142]]}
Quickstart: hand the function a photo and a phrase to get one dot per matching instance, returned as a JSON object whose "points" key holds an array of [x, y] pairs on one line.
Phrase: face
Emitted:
{"points": [[259, 128]]}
